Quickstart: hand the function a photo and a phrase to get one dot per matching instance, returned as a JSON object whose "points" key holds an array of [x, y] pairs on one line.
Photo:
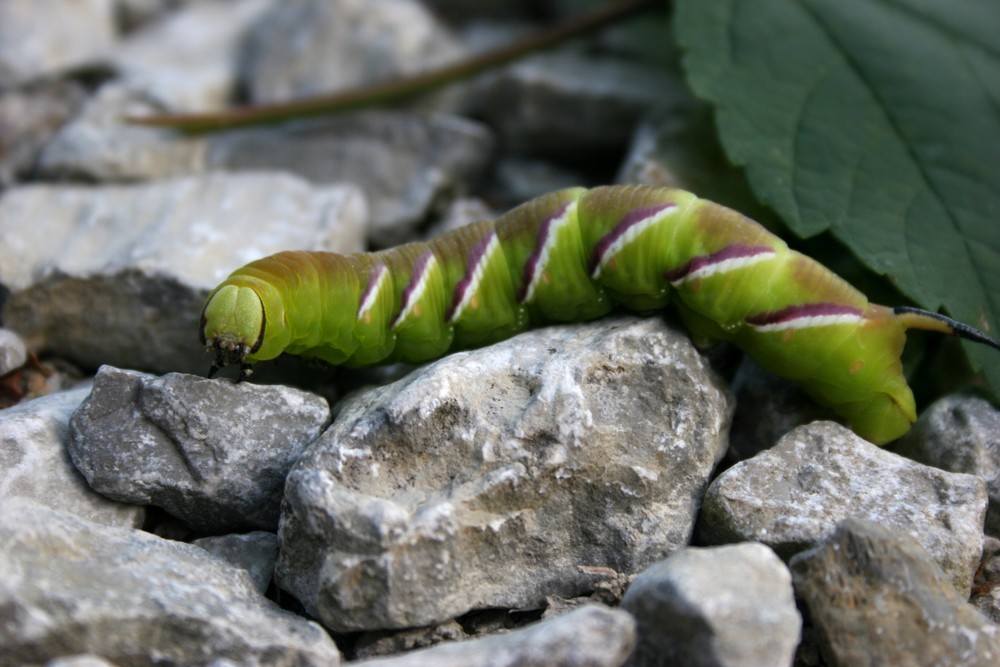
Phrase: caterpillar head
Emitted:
{"points": [[232, 327]]}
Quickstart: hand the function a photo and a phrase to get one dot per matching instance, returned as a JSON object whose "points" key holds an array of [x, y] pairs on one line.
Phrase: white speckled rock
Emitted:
{"points": [[961, 434], [40, 38], [498, 477], [729, 606], [35, 464], [70, 586], [13, 353], [189, 61], [118, 274], [591, 636], [212, 453], [877, 598], [312, 47], [792, 497]]}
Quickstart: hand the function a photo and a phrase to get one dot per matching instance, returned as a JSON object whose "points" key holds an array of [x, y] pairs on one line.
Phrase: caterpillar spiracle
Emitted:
{"points": [[572, 255]]}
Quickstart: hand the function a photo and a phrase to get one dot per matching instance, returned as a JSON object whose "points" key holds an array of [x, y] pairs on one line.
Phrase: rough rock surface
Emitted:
{"points": [[403, 162], [13, 353], [189, 61], [288, 54], [879, 599], [34, 462], [255, 552], [28, 119], [986, 588], [118, 274], [40, 38], [592, 636], [719, 606], [961, 434], [71, 586], [497, 477], [792, 497], [212, 453], [531, 102]]}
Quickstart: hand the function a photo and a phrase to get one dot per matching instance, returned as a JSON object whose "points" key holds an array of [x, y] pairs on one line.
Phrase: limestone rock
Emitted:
{"points": [[592, 636], [73, 587], [35, 464], [719, 606], [313, 47], [961, 434], [878, 598], [255, 552], [212, 453], [498, 477], [189, 61], [119, 274], [44, 38], [792, 496]]}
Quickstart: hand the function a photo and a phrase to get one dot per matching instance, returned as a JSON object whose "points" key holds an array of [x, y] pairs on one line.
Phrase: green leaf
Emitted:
{"points": [[878, 120]]}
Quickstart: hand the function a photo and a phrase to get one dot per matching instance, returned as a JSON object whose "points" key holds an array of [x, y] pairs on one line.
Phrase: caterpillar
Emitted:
{"points": [[573, 255]]}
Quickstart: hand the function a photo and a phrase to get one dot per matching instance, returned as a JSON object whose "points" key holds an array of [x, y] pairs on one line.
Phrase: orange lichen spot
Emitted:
{"points": [[857, 366], [787, 334]]}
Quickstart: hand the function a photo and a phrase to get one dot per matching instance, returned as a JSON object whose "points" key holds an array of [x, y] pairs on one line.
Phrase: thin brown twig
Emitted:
{"points": [[397, 89]]}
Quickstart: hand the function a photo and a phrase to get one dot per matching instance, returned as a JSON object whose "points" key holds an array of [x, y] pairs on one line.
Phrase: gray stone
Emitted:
{"points": [[29, 117], [13, 353], [97, 145], [570, 105], [986, 587], [404, 162], [961, 434], [313, 47], [717, 606], [877, 598], [118, 274], [255, 552], [792, 496], [45, 38], [72, 587], [518, 179], [592, 636], [499, 477], [210, 452], [376, 644], [80, 660], [767, 407], [134, 14], [34, 462], [188, 61]]}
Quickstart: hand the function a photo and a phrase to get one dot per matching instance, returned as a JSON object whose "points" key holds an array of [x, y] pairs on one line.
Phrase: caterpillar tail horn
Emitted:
{"points": [[915, 318]]}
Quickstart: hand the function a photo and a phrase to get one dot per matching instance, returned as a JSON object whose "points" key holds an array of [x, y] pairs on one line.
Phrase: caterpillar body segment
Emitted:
{"points": [[570, 256]]}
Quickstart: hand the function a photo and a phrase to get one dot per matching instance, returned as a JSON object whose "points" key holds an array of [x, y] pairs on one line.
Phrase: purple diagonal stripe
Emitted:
{"points": [[797, 312], [476, 255], [373, 280], [531, 267], [631, 218], [418, 271], [734, 251]]}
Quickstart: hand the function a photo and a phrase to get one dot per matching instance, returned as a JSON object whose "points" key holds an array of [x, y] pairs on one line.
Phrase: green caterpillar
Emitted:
{"points": [[572, 255]]}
